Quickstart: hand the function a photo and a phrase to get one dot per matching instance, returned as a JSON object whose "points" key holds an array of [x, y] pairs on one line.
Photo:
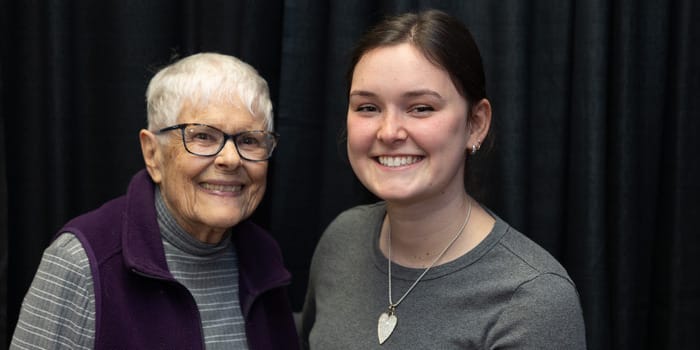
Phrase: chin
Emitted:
{"points": [[393, 192], [226, 218]]}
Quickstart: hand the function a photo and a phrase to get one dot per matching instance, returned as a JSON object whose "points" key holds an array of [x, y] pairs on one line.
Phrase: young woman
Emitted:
{"points": [[428, 267]]}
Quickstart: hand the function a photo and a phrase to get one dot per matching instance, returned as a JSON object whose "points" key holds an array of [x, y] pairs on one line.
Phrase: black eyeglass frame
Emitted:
{"points": [[234, 137]]}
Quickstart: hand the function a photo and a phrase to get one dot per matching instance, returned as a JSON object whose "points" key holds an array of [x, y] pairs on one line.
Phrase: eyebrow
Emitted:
{"points": [[408, 94], [362, 93], [422, 92]]}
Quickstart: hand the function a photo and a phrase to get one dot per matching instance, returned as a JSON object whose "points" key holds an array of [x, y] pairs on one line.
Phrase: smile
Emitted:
{"points": [[221, 188], [398, 161]]}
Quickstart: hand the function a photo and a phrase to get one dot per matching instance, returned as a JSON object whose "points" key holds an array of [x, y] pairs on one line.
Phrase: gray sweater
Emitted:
{"points": [[506, 293]]}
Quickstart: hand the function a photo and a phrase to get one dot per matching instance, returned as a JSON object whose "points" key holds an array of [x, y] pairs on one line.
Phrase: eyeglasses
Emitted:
{"points": [[207, 141]]}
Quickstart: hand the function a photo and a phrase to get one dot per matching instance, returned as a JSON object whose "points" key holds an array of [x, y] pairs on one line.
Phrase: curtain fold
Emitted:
{"points": [[593, 152]]}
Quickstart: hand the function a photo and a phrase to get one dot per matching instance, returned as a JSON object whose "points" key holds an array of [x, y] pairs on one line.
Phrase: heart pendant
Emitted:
{"points": [[386, 325]]}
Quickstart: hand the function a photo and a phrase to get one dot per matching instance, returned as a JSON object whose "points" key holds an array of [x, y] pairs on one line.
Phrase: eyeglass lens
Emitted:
{"points": [[207, 141]]}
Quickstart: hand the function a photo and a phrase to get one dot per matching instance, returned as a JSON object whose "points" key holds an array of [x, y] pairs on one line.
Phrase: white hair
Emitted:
{"points": [[205, 77]]}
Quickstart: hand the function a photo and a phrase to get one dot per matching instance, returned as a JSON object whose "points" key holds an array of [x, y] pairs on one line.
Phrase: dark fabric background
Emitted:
{"points": [[595, 154]]}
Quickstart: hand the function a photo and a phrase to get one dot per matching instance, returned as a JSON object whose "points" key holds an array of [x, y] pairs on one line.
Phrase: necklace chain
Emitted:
{"points": [[392, 305]]}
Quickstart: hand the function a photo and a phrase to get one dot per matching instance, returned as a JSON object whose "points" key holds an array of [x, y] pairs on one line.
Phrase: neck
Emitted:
{"points": [[419, 233]]}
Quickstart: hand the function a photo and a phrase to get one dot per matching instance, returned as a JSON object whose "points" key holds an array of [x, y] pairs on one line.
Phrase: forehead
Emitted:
{"points": [[399, 66], [228, 114]]}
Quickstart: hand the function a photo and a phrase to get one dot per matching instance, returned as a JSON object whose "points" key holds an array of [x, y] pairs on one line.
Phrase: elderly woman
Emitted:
{"points": [[174, 263]]}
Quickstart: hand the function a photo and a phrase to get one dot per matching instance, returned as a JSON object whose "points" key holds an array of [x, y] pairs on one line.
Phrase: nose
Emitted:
{"points": [[391, 128], [228, 156]]}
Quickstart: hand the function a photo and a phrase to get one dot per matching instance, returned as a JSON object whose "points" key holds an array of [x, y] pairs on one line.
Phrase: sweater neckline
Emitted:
{"points": [[499, 230], [174, 234]]}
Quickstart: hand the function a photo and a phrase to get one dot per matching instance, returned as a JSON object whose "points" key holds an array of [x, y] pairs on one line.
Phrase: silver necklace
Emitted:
{"points": [[387, 320]]}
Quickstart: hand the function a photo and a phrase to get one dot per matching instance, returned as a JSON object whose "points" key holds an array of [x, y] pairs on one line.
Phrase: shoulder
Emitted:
{"points": [[347, 226], [548, 291], [543, 309], [529, 273], [531, 255], [65, 262], [64, 272], [543, 313], [350, 232], [359, 216], [66, 257], [99, 230], [60, 301]]}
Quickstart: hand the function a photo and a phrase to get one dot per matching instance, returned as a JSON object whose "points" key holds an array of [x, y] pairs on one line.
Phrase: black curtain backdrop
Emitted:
{"points": [[595, 155]]}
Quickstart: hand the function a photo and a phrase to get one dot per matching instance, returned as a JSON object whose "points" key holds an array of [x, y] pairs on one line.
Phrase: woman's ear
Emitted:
{"points": [[152, 157], [479, 124]]}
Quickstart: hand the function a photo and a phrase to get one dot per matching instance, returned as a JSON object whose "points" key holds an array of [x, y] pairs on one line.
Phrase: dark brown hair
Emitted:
{"points": [[443, 39]]}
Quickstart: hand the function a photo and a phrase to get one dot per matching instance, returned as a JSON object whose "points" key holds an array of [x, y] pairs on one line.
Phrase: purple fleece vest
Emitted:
{"points": [[139, 305]]}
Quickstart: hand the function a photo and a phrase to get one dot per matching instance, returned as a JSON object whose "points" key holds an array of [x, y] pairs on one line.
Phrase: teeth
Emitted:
{"points": [[221, 188], [397, 161]]}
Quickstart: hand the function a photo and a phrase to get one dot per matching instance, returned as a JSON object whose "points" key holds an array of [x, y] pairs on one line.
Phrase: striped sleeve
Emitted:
{"points": [[58, 311]]}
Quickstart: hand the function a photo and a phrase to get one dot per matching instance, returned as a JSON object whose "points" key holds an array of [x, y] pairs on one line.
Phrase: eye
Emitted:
{"points": [[249, 140], [202, 136], [421, 110], [366, 108]]}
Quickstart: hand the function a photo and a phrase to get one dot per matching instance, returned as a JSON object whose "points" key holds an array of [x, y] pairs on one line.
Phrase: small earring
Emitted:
{"points": [[476, 147]]}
